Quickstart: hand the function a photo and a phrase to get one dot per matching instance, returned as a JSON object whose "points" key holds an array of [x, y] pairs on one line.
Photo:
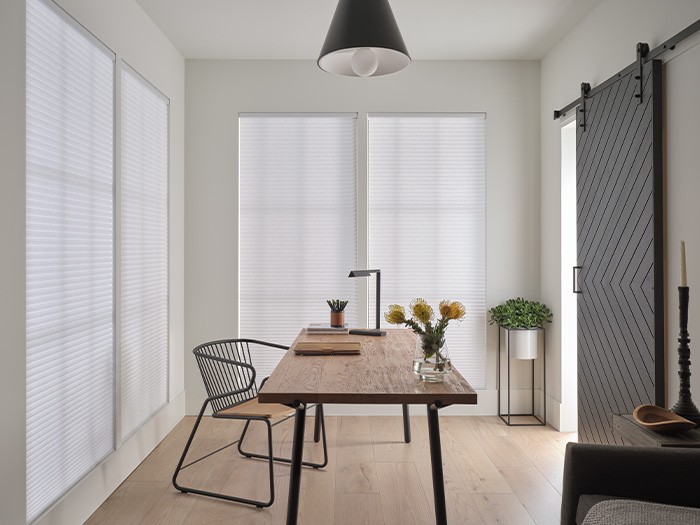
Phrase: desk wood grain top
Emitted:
{"points": [[382, 373]]}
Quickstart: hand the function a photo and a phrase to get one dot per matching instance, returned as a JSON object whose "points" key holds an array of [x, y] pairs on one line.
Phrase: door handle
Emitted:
{"points": [[576, 272]]}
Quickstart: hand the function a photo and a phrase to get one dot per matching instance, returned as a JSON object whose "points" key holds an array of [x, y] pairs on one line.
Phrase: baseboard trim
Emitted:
{"points": [[78, 504], [564, 417]]}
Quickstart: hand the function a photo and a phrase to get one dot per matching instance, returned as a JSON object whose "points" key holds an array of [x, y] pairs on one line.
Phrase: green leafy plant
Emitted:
{"points": [[520, 313], [337, 305]]}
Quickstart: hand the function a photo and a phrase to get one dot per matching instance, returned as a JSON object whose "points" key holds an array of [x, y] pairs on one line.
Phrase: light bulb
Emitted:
{"points": [[364, 62]]}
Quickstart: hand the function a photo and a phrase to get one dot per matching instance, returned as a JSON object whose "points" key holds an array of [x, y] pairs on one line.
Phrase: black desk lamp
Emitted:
{"points": [[369, 331]]}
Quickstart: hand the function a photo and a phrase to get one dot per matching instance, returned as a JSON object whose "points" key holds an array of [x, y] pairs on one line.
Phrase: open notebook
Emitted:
{"points": [[327, 348]]}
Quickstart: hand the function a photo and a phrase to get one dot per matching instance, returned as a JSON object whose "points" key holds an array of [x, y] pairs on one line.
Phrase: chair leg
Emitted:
{"points": [[288, 460], [325, 447], [240, 440], [259, 504], [187, 448], [271, 463], [406, 424]]}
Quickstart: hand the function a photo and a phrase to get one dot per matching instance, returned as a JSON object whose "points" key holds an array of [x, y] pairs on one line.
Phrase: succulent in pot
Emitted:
{"points": [[521, 321]]}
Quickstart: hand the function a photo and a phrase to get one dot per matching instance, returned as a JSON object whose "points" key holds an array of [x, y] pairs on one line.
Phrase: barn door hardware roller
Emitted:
{"points": [[642, 51], [585, 88]]}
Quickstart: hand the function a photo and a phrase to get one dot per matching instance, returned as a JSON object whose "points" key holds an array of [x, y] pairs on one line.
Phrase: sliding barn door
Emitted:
{"points": [[620, 253]]}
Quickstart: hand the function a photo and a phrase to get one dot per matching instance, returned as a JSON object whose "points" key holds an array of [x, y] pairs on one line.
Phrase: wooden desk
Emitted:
{"points": [[633, 434], [381, 374]]}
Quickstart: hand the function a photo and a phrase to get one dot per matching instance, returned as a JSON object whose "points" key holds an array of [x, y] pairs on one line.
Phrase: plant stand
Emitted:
{"points": [[507, 416]]}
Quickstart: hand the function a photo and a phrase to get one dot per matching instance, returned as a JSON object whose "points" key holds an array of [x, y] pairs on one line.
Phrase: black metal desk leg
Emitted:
{"points": [[295, 474], [436, 462], [406, 425], [317, 422]]}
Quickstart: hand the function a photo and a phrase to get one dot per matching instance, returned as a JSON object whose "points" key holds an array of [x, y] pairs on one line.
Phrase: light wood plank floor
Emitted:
{"points": [[493, 474]]}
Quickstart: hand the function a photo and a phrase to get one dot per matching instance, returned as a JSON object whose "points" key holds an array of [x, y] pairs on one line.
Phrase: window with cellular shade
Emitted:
{"points": [[427, 221], [297, 224], [69, 254], [144, 250]]}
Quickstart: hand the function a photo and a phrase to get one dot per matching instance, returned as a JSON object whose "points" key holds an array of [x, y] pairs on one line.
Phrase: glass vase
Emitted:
{"points": [[431, 366]]}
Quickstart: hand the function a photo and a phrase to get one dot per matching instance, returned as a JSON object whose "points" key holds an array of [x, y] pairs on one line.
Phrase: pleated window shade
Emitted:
{"points": [[69, 254], [297, 224], [427, 221], [144, 250]]}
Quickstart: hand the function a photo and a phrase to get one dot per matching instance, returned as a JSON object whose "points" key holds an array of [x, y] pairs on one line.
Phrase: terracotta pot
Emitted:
{"points": [[337, 319]]}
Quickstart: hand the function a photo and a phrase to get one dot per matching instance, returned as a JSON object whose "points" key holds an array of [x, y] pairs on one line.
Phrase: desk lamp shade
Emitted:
{"points": [[362, 273], [370, 331], [363, 41]]}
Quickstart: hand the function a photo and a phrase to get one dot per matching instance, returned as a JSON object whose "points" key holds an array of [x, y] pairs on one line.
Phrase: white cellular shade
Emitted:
{"points": [[69, 250], [297, 234], [427, 221], [144, 250]]}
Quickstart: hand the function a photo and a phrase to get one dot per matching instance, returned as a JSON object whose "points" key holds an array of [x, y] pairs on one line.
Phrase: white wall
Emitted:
{"points": [[130, 33], [602, 44], [218, 90], [12, 261]]}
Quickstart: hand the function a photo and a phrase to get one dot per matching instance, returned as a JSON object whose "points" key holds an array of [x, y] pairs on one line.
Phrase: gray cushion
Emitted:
{"points": [[632, 512], [586, 502]]}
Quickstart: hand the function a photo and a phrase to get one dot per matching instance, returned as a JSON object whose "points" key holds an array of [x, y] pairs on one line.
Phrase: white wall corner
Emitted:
{"points": [[561, 417]]}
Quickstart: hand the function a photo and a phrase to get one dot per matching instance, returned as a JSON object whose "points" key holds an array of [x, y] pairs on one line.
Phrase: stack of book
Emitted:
{"points": [[325, 329]]}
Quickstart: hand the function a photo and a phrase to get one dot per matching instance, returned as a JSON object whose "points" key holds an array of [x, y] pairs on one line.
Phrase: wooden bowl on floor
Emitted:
{"points": [[661, 420]]}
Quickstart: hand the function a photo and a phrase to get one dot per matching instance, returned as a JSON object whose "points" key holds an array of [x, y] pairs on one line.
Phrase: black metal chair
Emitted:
{"points": [[229, 378]]}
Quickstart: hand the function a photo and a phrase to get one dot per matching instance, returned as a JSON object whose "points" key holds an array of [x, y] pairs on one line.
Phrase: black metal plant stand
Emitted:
{"points": [[685, 407], [507, 419]]}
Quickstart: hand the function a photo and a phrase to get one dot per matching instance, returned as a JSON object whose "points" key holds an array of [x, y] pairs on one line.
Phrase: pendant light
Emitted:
{"points": [[363, 41]]}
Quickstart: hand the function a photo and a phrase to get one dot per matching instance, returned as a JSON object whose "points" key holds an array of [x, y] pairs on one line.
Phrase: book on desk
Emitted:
{"points": [[326, 329], [327, 348]]}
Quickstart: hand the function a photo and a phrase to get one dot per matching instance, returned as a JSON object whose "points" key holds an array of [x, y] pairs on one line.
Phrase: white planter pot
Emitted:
{"points": [[523, 343]]}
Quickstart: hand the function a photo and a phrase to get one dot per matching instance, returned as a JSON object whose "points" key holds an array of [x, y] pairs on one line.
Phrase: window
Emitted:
{"points": [[297, 224], [144, 250], [427, 227], [70, 254], [71, 263]]}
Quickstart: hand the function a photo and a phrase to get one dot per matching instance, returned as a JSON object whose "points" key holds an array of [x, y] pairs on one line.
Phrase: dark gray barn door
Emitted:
{"points": [[620, 253]]}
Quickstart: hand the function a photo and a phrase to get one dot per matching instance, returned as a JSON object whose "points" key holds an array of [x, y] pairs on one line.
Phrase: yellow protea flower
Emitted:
{"points": [[456, 310], [432, 336], [445, 309], [396, 314], [422, 310]]}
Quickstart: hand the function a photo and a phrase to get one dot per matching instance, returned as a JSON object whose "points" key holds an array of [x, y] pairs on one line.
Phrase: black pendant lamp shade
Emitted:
{"points": [[363, 40]]}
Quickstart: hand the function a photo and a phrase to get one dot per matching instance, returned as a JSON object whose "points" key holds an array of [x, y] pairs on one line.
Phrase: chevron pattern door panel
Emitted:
{"points": [[620, 253]]}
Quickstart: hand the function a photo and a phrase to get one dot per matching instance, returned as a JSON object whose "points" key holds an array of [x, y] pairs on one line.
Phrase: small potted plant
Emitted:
{"points": [[522, 321], [337, 312]]}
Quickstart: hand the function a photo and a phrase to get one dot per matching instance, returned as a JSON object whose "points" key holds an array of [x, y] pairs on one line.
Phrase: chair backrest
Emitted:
{"points": [[227, 366], [219, 364]]}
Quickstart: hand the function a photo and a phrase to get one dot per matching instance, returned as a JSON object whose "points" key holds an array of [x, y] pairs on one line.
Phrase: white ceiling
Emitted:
{"points": [[432, 29]]}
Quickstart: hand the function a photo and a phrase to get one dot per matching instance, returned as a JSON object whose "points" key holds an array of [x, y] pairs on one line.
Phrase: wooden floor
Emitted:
{"points": [[493, 474]]}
